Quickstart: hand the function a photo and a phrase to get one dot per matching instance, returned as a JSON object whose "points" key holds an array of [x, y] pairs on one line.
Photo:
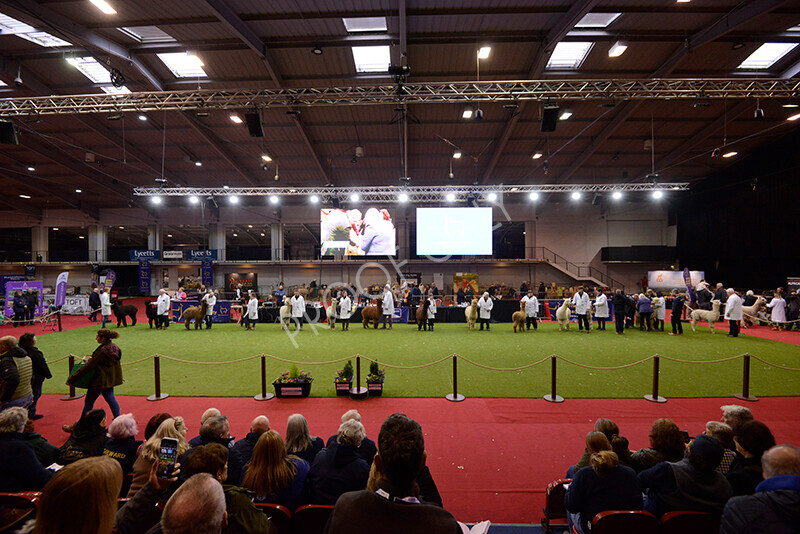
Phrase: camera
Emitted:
{"points": [[18, 81]]}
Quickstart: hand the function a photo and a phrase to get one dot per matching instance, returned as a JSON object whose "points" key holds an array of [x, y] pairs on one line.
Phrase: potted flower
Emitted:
{"points": [[375, 379], [344, 380], [293, 383]]}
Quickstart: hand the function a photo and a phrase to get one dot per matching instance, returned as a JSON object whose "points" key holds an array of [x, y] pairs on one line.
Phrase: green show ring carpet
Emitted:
{"points": [[404, 345]]}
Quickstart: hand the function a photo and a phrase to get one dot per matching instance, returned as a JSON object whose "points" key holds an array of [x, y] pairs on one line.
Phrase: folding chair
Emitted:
{"points": [[311, 518], [554, 511], [279, 515]]}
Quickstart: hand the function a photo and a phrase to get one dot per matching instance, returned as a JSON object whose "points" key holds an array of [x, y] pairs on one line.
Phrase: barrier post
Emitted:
{"points": [[59, 322], [745, 395], [264, 395], [455, 396], [72, 395], [157, 373], [357, 392], [553, 396], [654, 397]]}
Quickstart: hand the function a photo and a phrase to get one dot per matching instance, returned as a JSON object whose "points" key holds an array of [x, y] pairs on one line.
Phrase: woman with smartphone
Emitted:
{"points": [[105, 363], [170, 429]]}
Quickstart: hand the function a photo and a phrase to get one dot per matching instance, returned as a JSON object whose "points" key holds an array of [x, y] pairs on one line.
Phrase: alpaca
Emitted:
{"points": [[471, 313], [122, 311], [372, 314], [422, 315], [750, 312], [197, 313], [712, 315], [285, 314], [562, 316], [331, 312], [518, 318], [151, 311]]}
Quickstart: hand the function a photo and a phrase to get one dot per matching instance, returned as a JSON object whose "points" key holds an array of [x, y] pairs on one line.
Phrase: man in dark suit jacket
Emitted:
{"points": [[246, 445]]}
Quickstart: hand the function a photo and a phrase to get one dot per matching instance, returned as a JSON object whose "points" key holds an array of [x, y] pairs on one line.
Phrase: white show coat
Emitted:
{"points": [[660, 307], [601, 306], [298, 306], [778, 306], [581, 303], [531, 306], [388, 303], [211, 300], [733, 308], [162, 304], [252, 308], [485, 306], [345, 307], [432, 309], [105, 303]]}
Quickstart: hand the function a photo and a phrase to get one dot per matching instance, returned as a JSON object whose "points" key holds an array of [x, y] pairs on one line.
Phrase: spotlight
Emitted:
{"points": [[729, 154], [451, 175], [576, 195], [566, 114], [491, 197], [266, 157], [478, 114], [198, 163], [402, 197], [534, 196], [457, 154], [617, 49], [233, 199], [235, 118], [484, 51], [193, 199], [793, 117], [78, 191], [156, 200], [25, 196], [657, 194], [354, 197], [536, 155], [273, 199], [616, 195], [142, 117], [450, 197], [317, 51], [226, 187], [31, 169], [790, 104], [314, 199], [467, 113]]}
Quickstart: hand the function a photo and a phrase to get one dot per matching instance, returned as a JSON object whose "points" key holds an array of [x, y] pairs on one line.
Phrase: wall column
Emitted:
{"points": [[40, 243], [98, 243], [530, 240], [216, 239], [154, 237], [276, 237]]}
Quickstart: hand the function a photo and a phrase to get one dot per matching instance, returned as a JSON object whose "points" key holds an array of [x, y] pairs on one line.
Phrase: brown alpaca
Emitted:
{"points": [[197, 313], [372, 314], [422, 315], [518, 318]]}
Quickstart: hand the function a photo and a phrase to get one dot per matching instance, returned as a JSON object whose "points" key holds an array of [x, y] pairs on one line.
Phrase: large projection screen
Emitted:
{"points": [[356, 233], [454, 231]]}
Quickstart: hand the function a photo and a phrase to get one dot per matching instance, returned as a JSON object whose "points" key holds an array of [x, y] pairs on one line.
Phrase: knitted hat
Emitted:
{"points": [[708, 448]]}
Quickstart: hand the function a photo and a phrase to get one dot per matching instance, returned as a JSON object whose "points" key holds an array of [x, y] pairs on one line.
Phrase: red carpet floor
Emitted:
{"points": [[491, 458]]}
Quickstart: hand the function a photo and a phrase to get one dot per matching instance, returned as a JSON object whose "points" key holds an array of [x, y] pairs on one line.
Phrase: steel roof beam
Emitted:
{"points": [[215, 143]]}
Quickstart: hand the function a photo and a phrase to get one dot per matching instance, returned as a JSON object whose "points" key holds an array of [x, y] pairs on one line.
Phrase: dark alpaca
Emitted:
{"points": [[372, 314], [422, 315], [151, 311], [122, 311], [197, 313]]}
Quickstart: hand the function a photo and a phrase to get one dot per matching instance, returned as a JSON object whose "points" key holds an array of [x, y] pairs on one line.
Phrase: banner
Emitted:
{"points": [[673, 279], [12, 287], [172, 255], [222, 310], [248, 281], [687, 279], [207, 273], [793, 283], [30, 272], [5, 278], [200, 255], [111, 277], [465, 280], [76, 305], [144, 277], [61, 288], [144, 255]]}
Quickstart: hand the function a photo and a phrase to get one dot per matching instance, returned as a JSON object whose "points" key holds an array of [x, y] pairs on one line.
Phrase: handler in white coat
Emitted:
{"points": [[733, 312], [298, 309], [660, 311], [485, 305], [251, 318], [388, 306], [105, 306], [582, 304], [431, 312], [531, 310], [778, 306], [162, 309], [211, 301], [601, 310], [345, 310]]}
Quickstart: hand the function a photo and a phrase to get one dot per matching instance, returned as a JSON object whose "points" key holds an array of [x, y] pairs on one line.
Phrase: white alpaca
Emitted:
{"points": [[562, 316], [750, 312], [471, 313], [286, 314], [331, 312], [712, 315]]}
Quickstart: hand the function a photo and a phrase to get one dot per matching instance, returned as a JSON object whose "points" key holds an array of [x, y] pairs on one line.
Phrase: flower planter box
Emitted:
{"points": [[375, 389], [343, 388], [283, 391]]}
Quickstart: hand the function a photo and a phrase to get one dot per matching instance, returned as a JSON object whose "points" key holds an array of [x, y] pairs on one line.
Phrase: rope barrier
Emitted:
{"points": [[720, 360], [476, 364], [409, 366], [606, 368], [774, 365]]}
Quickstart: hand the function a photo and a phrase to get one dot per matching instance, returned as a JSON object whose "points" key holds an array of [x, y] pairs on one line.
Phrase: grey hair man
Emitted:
{"points": [[338, 468], [197, 507], [367, 449], [734, 415]]}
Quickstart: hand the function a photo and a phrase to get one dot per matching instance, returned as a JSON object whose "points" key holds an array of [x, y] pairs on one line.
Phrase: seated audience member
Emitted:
{"points": [[273, 476], [367, 449], [245, 445], [605, 485], [299, 440], [80, 498], [46, 452], [428, 492], [394, 507], [243, 516], [775, 506], [154, 423], [724, 434], [19, 468], [666, 445], [339, 468], [122, 443], [752, 439], [210, 412], [197, 507], [734, 415], [216, 429], [169, 428], [691, 484], [87, 439], [142, 513], [618, 444]]}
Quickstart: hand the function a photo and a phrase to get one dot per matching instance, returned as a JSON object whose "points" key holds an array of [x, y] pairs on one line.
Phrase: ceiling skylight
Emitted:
{"points": [[569, 55], [147, 34], [365, 24], [2, 83], [183, 65], [12, 26], [597, 20], [371, 58], [111, 90], [766, 55], [91, 68]]}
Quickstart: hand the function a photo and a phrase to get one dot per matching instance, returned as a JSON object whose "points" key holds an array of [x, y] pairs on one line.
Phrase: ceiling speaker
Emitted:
{"points": [[549, 118], [253, 120]]}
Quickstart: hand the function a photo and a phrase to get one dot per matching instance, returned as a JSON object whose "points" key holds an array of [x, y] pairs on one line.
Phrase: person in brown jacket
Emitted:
{"points": [[105, 361]]}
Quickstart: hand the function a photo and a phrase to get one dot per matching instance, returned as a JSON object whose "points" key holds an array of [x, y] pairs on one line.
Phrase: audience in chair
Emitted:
{"points": [[666, 445], [122, 444], [339, 468], [216, 429], [20, 470], [87, 439], [169, 428], [244, 447], [618, 444], [299, 440], [752, 439], [724, 434], [367, 449], [273, 476]]}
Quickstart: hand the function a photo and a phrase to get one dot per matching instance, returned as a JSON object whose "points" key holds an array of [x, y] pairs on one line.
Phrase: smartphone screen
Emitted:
{"points": [[167, 457]]}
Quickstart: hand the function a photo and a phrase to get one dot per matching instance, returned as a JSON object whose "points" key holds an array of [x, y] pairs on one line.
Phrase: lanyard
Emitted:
{"points": [[382, 493]]}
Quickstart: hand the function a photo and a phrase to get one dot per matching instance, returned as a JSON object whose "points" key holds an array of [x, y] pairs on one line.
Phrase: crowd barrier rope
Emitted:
{"points": [[455, 396]]}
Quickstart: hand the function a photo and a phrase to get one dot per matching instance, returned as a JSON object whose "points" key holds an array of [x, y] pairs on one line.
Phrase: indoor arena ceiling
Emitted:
{"points": [[243, 47]]}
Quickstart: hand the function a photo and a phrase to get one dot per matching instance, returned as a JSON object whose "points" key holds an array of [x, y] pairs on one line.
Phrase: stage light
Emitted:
{"points": [[314, 199], [24, 196], [193, 199], [536, 155], [402, 197], [142, 117], [616, 195], [78, 191], [576, 195], [450, 197], [55, 228], [457, 154], [729, 154], [236, 118], [354, 197], [198, 163], [534, 197], [233, 199], [657, 194], [484, 51], [31, 169], [617, 49], [566, 114], [266, 157], [467, 113], [226, 187], [156, 200], [491, 197], [793, 117], [273, 199]]}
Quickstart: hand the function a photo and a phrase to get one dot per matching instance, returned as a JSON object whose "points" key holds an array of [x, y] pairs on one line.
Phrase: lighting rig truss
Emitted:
{"points": [[447, 92], [416, 194]]}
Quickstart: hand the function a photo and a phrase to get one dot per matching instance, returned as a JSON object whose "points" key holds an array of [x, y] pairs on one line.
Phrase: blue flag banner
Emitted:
{"points": [[207, 273], [61, 288], [111, 277], [687, 279], [144, 277]]}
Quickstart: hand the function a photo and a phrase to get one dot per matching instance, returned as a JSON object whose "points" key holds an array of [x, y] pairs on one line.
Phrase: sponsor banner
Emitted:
{"points": [[10, 278], [172, 255], [76, 305], [61, 288], [108, 281], [673, 279], [222, 310], [144, 277], [793, 283], [400, 315], [207, 273], [145, 255], [200, 255], [30, 272], [248, 281], [23, 287]]}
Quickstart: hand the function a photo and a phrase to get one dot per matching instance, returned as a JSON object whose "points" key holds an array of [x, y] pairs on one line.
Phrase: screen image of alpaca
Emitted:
{"points": [[444, 231]]}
